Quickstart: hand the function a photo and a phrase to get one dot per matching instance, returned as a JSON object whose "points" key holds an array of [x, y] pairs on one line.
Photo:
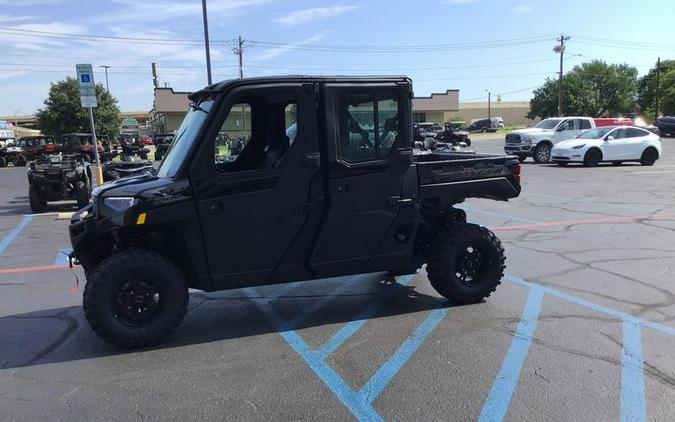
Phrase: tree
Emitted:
{"points": [[667, 91], [647, 88], [63, 114], [590, 89]]}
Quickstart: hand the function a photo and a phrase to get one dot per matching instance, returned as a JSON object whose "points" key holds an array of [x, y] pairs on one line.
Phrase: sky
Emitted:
{"points": [[501, 46]]}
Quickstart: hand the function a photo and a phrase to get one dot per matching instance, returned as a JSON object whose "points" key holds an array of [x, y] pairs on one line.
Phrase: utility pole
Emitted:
{"points": [[206, 42], [560, 49], [106, 67], [489, 103], [239, 51], [658, 75]]}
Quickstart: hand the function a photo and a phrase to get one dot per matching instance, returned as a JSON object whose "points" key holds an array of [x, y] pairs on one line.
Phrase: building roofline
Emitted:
{"points": [[447, 91]]}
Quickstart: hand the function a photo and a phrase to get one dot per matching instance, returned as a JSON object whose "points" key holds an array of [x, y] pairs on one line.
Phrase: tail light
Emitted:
{"points": [[515, 169], [49, 147]]}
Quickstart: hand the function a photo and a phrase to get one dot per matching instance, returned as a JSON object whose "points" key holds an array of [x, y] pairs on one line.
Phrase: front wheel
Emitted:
{"points": [[135, 298], [82, 195], [467, 264], [37, 203], [542, 153], [592, 158]]}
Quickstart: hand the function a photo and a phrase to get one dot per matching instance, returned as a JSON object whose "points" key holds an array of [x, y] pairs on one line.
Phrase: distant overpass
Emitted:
{"points": [[29, 121]]}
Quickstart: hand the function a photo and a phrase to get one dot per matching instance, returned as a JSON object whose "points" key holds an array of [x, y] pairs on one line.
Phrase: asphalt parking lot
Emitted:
{"points": [[582, 327]]}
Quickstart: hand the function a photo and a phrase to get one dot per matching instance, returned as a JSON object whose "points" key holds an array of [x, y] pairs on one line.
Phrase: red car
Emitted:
{"points": [[613, 121], [34, 146]]}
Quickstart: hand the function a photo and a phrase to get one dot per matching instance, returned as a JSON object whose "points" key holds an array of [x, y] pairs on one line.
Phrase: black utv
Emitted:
{"points": [[162, 143], [58, 177], [343, 195]]}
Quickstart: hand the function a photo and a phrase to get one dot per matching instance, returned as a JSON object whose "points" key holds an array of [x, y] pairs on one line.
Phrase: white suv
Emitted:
{"points": [[538, 141]]}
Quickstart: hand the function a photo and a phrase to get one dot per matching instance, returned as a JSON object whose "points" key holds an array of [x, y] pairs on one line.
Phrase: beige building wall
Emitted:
{"points": [[513, 112]]}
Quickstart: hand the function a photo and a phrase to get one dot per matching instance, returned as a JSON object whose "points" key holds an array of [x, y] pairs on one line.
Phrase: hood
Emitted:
{"points": [[570, 143], [131, 186], [531, 131]]}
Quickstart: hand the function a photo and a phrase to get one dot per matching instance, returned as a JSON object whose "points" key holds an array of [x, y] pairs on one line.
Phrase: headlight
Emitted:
{"points": [[119, 204], [578, 146]]}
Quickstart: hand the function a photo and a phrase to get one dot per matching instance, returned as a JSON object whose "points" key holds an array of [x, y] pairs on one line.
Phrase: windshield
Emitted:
{"points": [[548, 124], [596, 133], [185, 137]]}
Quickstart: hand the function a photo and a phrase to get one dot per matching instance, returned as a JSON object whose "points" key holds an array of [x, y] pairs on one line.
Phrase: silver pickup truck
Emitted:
{"points": [[537, 141]]}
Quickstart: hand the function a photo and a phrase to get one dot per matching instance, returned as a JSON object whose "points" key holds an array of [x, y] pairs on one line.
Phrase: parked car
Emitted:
{"points": [[537, 141], [666, 125], [80, 144], [640, 122], [497, 122], [615, 144], [482, 125], [34, 146], [12, 154], [612, 121], [334, 203]]}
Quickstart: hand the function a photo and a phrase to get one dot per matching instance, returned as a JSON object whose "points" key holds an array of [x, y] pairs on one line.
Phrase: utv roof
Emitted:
{"points": [[220, 86]]}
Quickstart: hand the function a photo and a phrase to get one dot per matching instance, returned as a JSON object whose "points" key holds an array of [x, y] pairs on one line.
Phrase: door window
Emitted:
{"points": [[618, 133], [632, 132], [368, 126], [256, 134], [584, 124]]}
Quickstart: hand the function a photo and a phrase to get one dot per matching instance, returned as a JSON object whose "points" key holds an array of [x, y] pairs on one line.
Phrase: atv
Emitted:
{"points": [[113, 170], [58, 177], [12, 154]]}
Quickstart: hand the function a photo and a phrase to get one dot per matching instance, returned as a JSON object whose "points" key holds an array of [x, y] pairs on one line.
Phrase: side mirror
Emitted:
{"points": [[609, 138]]}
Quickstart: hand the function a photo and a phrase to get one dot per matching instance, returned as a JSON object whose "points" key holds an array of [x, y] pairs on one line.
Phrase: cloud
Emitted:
{"points": [[277, 51], [522, 9], [298, 17], [10, 18], [162, 10]]}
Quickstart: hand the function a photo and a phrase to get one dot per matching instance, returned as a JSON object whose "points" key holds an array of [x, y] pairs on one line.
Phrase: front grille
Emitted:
{"points": [[512, 138]]}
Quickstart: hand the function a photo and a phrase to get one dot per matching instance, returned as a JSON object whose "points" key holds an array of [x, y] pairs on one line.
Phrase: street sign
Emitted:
{"points": [[85, 80]]}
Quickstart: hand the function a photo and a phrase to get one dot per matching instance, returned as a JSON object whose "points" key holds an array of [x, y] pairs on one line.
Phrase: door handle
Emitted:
{"points": [[313, 159]]}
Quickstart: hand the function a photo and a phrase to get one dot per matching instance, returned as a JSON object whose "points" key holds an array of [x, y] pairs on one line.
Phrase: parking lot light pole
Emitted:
{"points": [[489, 102]]}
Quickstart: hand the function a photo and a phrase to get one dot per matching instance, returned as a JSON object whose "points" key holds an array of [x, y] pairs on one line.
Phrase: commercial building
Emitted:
{"points": [[512, 112], [169, 108]]}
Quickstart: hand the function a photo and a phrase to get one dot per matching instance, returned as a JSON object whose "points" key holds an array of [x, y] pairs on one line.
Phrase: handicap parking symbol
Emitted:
{"points": [[85, 78]]}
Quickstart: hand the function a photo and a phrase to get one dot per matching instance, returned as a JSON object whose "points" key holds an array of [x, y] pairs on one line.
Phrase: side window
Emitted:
{"points": [[368, 126], [618, 133], [584, 124], [632, 132], [256, 134], [234, 134]]}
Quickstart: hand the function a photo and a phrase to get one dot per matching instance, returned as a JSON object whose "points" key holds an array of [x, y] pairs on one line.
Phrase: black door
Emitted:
{"points": [[368, 138], [256, 194]]}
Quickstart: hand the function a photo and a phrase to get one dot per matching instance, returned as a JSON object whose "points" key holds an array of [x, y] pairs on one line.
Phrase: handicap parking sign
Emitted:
{"points": [[85, 78]]}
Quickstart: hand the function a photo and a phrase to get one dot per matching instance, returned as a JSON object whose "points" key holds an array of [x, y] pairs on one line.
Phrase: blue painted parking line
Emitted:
{"points": [[62, 256], [497, 403], [357, 322], [15, 232], [501, 215], [376, 384], [358, 402], [633, 408]]}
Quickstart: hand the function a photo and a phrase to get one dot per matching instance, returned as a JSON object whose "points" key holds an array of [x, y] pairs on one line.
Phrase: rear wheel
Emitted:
{"points": [[649, 157], [135, 298], [592, 157], [20, 161], [37, 203], [467, 264], [542, 153]]}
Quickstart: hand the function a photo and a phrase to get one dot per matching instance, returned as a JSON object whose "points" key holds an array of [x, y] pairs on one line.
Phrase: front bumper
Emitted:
{"points": [[519, 149], [87, 232]]}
